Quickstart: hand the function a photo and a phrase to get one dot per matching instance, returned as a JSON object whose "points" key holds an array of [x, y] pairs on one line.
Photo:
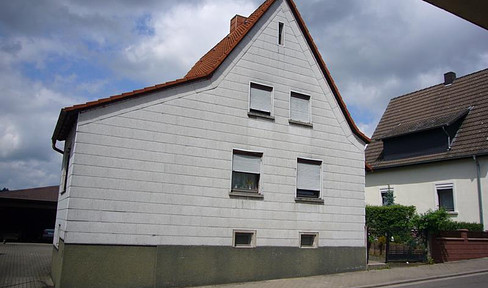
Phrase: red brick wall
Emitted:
{"points": [[459, 245]]}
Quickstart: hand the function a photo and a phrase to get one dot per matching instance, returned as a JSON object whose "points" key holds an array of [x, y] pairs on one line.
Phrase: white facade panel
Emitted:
{"points": [[160, 174]]}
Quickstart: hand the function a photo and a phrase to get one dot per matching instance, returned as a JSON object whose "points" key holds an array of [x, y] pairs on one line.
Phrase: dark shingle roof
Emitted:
{"points": [[49, 193], [204, 69], [434, 107]]}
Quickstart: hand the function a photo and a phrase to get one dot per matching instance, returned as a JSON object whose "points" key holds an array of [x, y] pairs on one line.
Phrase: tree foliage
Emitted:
{"points": [[390, 220]]}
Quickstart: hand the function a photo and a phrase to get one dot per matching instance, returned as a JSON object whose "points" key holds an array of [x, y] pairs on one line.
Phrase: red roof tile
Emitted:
{"points": [[204, 69]]}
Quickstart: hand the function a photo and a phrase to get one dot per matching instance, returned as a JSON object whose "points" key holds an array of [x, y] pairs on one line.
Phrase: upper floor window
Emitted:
{"points": [[308, 178], [300, 108], [260, 100], [246, 169], [445, 196], [65, 168], [281, 35]]}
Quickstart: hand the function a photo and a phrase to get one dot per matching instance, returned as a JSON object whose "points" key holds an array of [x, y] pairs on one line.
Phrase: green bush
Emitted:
{"points": [[453, 226]]}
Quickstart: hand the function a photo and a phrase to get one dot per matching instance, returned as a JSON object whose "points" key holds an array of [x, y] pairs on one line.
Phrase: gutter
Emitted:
{"points": [[56, 148], [480, 195]]}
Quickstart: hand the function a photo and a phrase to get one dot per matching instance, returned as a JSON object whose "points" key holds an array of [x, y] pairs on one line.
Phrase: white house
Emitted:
{"points": [[431, 149], [248, 168]]}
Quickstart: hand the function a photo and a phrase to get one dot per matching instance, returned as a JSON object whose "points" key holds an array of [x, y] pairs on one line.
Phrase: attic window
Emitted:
{"points": [[280, 33], [425, 137]]}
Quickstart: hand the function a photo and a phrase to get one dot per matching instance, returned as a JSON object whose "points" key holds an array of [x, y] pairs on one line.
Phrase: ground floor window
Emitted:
{"points": [[445, 196]]}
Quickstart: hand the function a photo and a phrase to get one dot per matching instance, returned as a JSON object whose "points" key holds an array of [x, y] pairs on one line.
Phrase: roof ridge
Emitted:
{"points": [[440, 84]]}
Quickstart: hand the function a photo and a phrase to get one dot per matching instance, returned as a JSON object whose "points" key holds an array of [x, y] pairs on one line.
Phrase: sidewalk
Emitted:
{"points": [[373, 278], [25, 265]]}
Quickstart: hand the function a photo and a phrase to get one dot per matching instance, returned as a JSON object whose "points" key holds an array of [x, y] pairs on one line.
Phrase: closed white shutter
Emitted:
{"points": [[308, 176], [246, 163], [300, 107], [261, 97]]}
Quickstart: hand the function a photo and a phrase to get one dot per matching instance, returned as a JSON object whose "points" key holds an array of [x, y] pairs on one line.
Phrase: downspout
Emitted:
{"points": [[56, 148], [480, 198]]}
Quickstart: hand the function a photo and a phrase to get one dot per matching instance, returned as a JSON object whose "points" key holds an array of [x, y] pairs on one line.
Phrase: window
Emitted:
{"points": [[246, 168], [387, 197], [64, 173], [308, 178], [280, 33], [244, 239], [309, 240], [299, 107], [445, 196], [260, 99]]}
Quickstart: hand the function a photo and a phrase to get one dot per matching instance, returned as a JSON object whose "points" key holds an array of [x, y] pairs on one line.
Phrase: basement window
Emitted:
{"points": [[309, 240], [244, 239]]}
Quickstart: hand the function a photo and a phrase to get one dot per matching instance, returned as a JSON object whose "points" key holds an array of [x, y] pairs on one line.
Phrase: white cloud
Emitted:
{"points": [[58, 53], [181, 36]]}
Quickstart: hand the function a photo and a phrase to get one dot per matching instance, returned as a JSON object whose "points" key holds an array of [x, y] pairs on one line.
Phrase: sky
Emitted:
{"points": [[57, 53]]}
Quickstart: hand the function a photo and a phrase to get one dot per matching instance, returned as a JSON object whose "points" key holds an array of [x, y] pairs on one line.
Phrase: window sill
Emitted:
{"points": [[452, 213], [296, 122], [245, 194], [260, 115], [309, 200]]}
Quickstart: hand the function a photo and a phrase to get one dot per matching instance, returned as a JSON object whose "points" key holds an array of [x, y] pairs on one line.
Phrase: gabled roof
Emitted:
{"points": [[204, 69], [49, 194], [434, 107]]}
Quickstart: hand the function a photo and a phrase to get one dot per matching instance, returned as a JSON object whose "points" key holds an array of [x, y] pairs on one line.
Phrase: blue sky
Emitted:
{"points": [[60, 53]]}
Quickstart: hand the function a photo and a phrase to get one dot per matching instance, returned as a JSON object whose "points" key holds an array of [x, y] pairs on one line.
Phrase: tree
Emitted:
{"points": [[5, 189], [389, 198]]}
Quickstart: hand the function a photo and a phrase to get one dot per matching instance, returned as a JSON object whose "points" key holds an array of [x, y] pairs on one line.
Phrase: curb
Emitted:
{"points": [[413, 281]]}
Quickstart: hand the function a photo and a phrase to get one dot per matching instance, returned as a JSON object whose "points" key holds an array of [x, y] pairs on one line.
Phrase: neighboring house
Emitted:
{"points": [[250, 167], [26, 213], [431, 149]]}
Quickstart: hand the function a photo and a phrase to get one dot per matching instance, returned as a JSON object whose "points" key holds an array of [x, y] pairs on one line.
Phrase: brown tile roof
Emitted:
{"points": [[49, 193], [434, 107], [204, 69]]}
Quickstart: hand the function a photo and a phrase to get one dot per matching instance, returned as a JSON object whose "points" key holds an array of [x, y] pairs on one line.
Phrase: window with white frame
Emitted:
{"points": [[308, 178], [445, 196], [244, 238], [387, 199], [65, 168], [309, 240], [246, 167], [261, 99], [300, 107]]}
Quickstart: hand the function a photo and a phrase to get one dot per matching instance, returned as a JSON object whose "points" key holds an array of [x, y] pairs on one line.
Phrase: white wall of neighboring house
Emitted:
{"points": [[415, 185], [156, 170]]}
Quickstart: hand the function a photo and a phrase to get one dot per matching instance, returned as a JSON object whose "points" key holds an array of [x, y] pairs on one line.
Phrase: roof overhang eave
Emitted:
{"points": [[465, 156]]}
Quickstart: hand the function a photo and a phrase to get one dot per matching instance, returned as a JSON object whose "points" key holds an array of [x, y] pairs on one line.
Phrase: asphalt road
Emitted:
{"points": [[479, 280]]}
